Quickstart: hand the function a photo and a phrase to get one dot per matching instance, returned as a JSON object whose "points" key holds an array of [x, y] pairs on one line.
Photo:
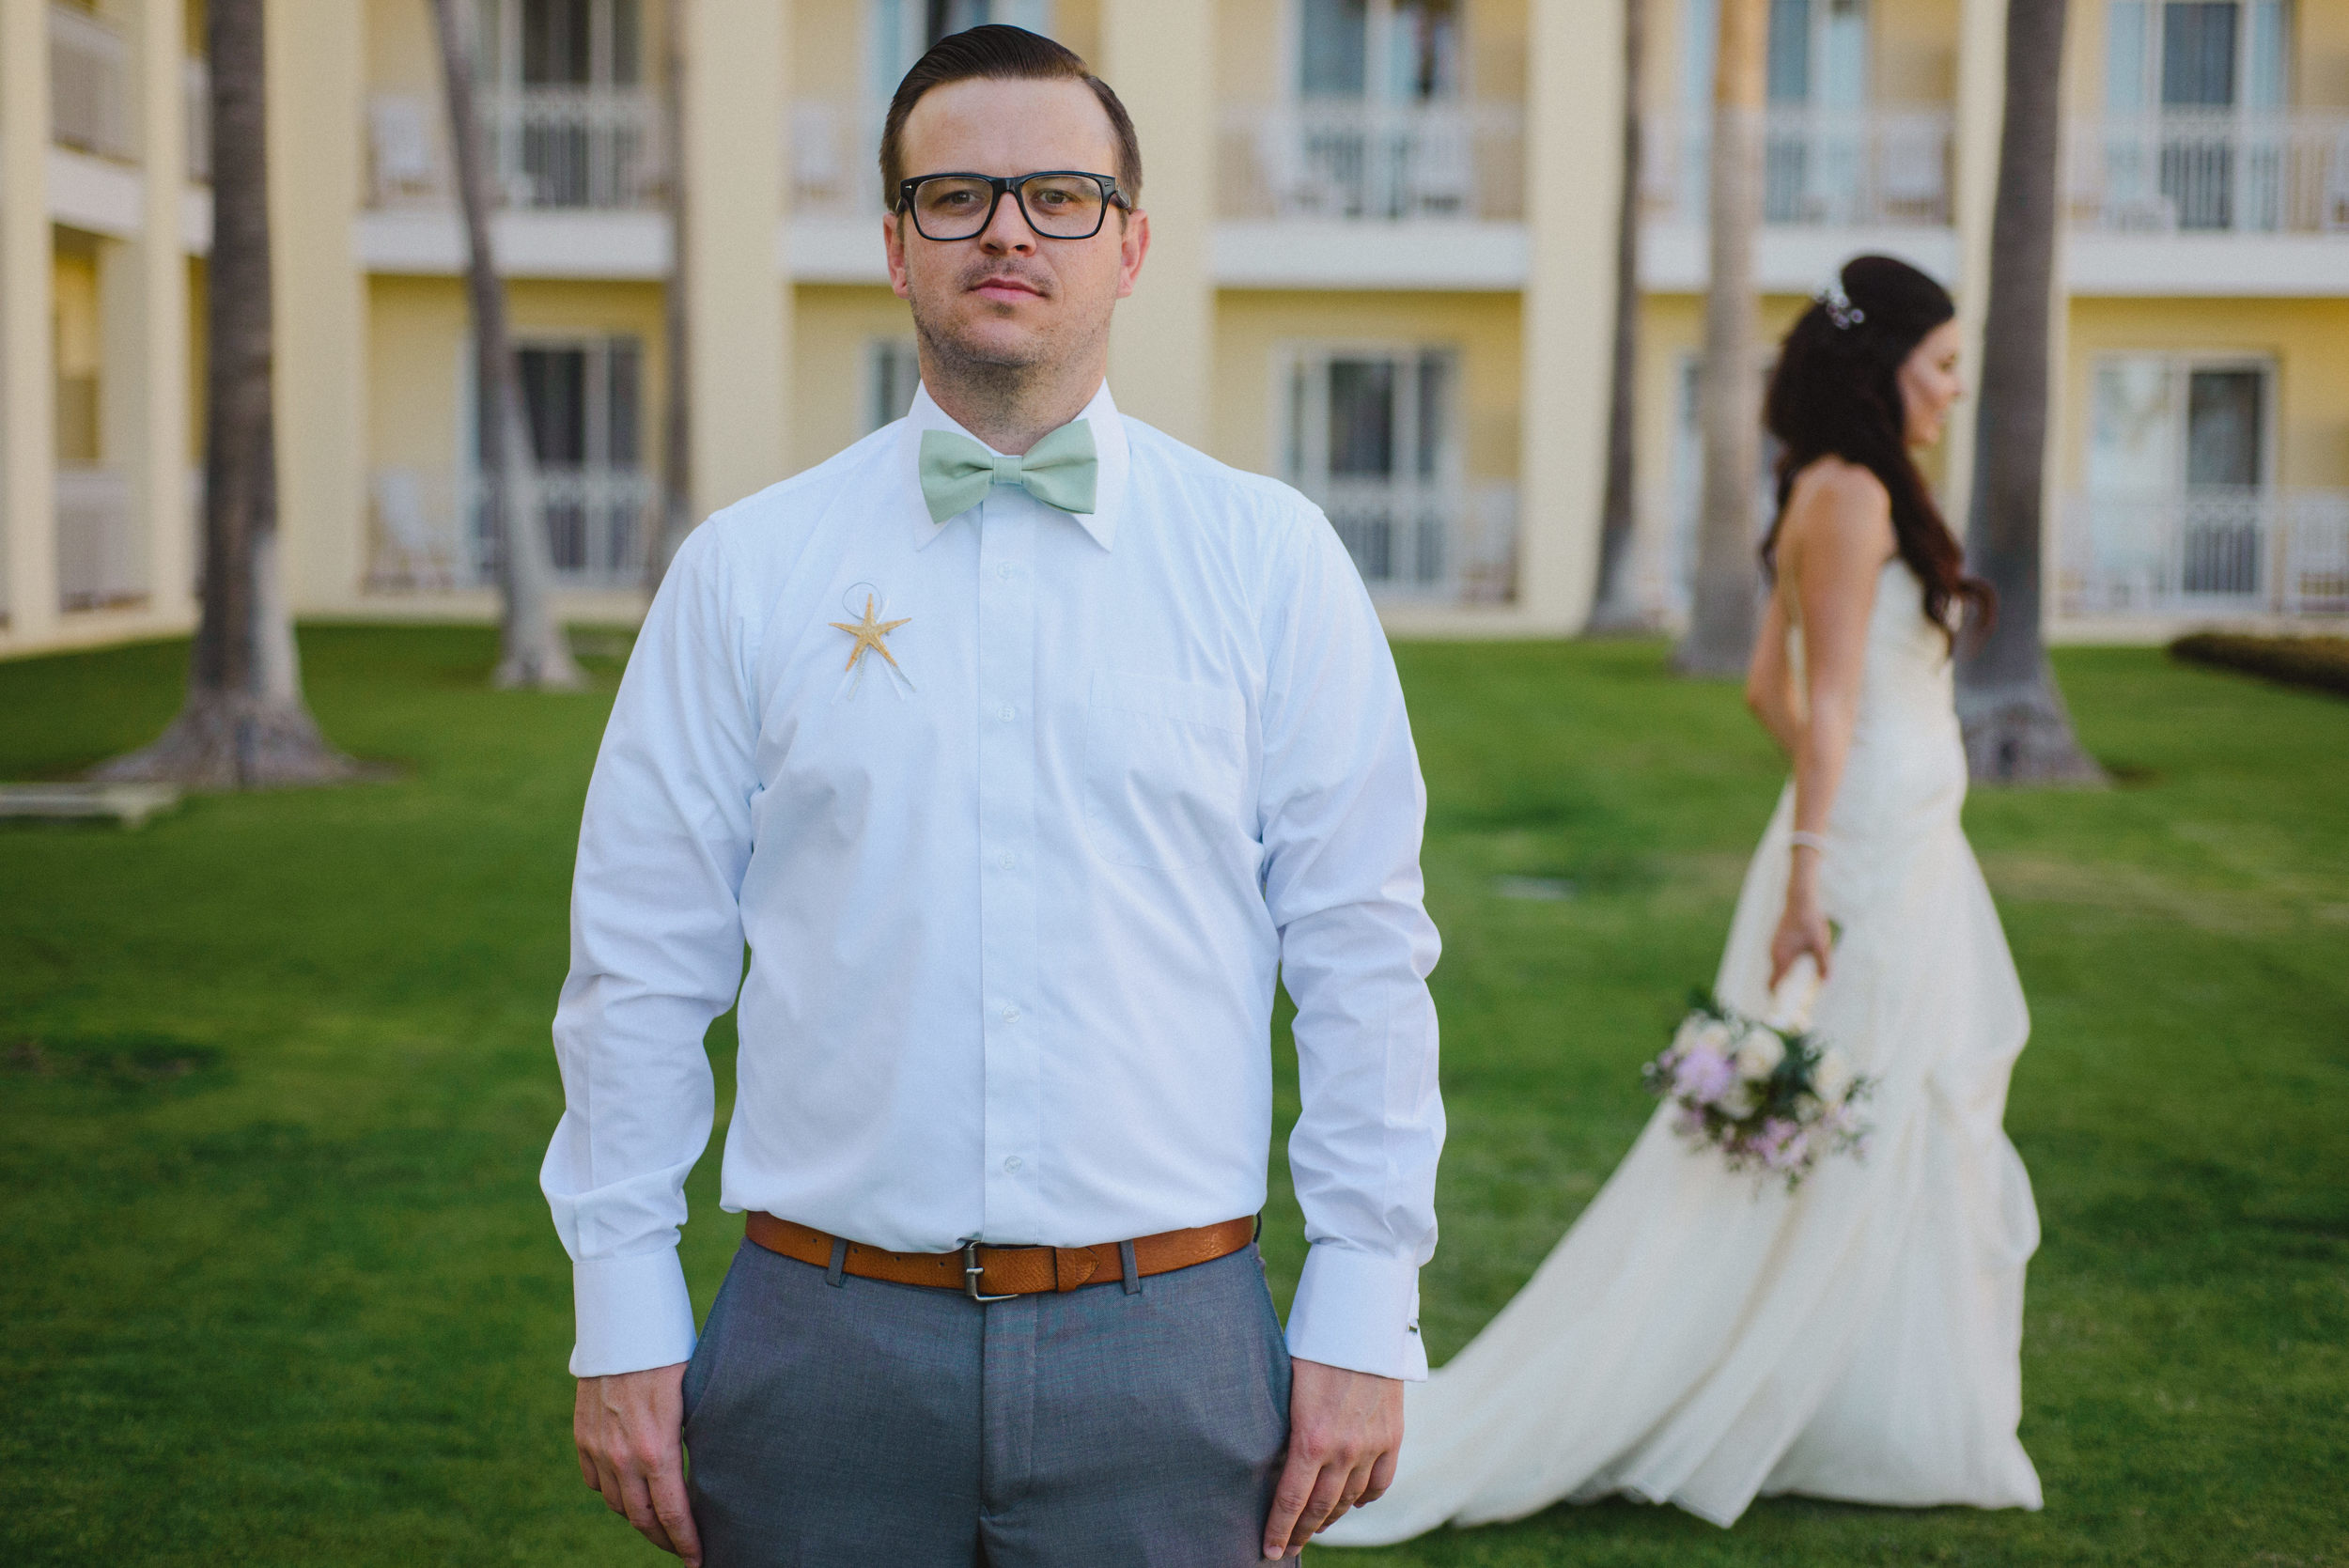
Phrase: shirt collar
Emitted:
{"points": [[1109, 445]]}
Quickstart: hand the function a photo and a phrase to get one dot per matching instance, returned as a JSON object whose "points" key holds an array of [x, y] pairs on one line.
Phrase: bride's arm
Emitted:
{"points": [[1835, 544], [1771, 681]]}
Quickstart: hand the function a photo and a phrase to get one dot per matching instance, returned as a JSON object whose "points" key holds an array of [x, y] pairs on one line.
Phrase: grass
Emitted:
{"points": [[274, 1081]]}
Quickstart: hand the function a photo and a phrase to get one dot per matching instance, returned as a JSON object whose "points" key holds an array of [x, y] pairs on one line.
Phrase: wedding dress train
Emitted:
{"points": [[1699, 1340]]}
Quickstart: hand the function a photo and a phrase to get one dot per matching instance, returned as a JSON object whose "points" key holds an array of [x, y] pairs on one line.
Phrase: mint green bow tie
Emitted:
{"points": [[1058, 471]]}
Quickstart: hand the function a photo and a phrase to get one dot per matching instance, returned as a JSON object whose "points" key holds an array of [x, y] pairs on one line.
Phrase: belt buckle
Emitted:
{"points": [[972, 1271]]}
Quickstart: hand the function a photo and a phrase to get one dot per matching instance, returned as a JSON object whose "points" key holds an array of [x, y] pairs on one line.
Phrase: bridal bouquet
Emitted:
{"points": [[1771, 1100]]}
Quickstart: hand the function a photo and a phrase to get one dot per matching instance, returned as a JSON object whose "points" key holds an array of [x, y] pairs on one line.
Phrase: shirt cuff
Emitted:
{"points": [[1360, 1312], [634, 1312]]}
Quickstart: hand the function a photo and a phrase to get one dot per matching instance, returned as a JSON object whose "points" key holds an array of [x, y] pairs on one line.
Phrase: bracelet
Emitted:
{"points": [[1810, 840]]}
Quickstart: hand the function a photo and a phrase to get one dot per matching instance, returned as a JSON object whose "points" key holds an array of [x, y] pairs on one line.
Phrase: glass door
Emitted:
{"points": [[1370, 435], [1817, 78], [2215, 74]]}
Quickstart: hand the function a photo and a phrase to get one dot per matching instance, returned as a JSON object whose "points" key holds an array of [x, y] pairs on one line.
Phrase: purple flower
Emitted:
{"points": [[1703, 1076]]}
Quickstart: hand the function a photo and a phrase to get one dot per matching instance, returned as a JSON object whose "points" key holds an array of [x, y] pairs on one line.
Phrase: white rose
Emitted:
{"points": [[1685, 1035], [1831, 1079], [1758, 1054], [1714, 1036]]}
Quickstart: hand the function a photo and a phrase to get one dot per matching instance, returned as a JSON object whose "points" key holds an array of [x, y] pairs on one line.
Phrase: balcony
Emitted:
{"points": [[2206, 553], [834, 167], [2211, 172], [1360, 162], [1833, 181], [551, 148], [595, 526], [101, 559], [1821, 168], [1427, 542], [90, 83], [598, 521]]}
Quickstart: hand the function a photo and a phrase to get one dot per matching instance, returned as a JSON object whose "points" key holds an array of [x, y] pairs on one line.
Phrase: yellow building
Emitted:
{"points": [[1383, 271]]}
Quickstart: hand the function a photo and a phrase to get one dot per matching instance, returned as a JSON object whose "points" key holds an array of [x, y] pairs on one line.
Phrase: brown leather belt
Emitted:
{"points": [[988, 1273]]}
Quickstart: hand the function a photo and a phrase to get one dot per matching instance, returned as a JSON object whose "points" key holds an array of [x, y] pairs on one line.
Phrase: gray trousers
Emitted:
{"points": [[831, 1420]]}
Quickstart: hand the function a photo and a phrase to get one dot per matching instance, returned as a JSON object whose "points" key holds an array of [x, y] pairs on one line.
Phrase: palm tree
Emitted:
{"points": [[676, 434], [244, 724], [534, 651], [1722, 623], [2017, 728], [1612, 610]]}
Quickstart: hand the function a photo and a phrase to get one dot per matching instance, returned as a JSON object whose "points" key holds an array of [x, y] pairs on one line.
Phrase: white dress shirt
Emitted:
{"points": [[1016, 905]]}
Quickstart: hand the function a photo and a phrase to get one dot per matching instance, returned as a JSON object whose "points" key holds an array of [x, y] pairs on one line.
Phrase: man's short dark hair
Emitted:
{"points": [[997, 53]]}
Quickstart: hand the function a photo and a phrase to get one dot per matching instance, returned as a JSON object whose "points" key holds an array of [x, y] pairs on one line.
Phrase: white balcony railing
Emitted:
{"points": [[99, 558], [1820, 167], [2207, 553], [596, 524], [90, 83], [835, 166], [549, 148], [1425, 541], [2214, 170], [1347, 158]]}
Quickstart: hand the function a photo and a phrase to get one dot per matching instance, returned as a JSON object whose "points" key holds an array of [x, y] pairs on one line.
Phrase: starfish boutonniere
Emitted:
{"points": [[869, 633]]}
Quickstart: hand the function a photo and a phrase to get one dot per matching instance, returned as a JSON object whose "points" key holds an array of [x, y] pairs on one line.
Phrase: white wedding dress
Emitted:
{"points": [[1696, 1339]]}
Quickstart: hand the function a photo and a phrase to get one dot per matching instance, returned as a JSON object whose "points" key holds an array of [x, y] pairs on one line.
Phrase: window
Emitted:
{"points": [[1687, 483], [2161, 423], [584, 402], [902, 31], [891, 370], [2179, 460], [1391, 51], [561, 43], [1372, 435], [1818, 53]]}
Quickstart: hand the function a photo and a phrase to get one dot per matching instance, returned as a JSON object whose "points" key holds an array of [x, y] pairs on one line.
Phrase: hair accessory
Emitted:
{"points": [[1840, 309], [1810, 840]]}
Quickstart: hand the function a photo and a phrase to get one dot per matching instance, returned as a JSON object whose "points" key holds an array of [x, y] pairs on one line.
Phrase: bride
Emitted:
{"points": [[1696, 1340]]}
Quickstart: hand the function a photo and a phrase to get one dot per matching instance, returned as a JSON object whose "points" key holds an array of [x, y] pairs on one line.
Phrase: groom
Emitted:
{"points": [[1022, 746]]}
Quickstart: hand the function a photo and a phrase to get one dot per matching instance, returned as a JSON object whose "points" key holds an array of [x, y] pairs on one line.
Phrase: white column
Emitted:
{"points": [[1981, 106], [28, 453], [739, 331], [154, 416], [1573, 169], [1159, 56], [316, 84]]}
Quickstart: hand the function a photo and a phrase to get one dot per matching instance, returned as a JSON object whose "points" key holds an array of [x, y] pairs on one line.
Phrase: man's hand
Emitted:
{"points": [[1344, 1429], [630, 1431]]}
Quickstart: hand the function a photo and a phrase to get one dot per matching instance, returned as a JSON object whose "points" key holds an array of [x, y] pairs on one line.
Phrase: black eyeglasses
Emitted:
{"points": [[1058, 204]]}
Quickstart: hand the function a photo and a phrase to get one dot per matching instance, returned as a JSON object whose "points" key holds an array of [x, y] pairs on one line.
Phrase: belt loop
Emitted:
{"points": [[1125, 1263], [836, 1276]]}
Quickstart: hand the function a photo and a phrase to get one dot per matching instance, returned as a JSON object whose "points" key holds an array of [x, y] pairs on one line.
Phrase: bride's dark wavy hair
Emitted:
{"points": [[1836, 393]]}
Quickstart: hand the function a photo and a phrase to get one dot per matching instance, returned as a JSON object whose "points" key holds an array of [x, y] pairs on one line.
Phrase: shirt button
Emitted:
{"points": [[1007, 571], [1007, 862], [1007, 713], [1011, 1165], [1011, 1015]]}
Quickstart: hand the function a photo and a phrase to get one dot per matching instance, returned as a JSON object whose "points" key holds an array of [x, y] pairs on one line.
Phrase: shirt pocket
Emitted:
{"points": [[1166, 763]]}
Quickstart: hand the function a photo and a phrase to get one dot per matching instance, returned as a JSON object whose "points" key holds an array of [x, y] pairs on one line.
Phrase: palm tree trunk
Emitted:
{"points": [[676, 433], [1614, 611], [534, 651], [244, 724], [2017, 728], [1722, 624]]}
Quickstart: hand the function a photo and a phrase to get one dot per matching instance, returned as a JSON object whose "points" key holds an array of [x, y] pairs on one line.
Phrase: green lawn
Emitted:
{"points": [[277, 1285]]}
